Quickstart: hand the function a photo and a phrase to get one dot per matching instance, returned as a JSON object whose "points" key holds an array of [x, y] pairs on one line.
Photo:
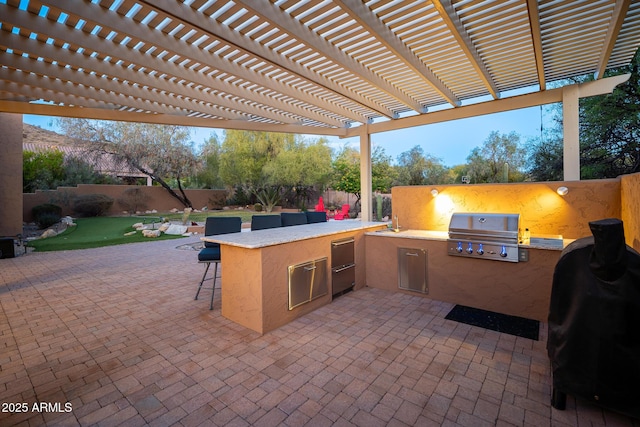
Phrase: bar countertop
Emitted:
{"points": [[281, 235]]}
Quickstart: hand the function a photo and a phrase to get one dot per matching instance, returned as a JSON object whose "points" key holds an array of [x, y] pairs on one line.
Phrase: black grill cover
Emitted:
{"points": [[594, 321]]}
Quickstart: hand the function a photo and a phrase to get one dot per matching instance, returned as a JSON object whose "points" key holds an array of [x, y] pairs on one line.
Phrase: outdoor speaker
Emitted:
{"points": [[6, 248]]}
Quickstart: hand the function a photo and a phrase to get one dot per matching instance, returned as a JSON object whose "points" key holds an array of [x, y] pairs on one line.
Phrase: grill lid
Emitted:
{"points": [[484, 226]]}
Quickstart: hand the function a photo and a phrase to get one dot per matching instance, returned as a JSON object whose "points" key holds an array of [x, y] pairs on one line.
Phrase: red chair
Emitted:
{"points": [[343, 213], [320, 207]]}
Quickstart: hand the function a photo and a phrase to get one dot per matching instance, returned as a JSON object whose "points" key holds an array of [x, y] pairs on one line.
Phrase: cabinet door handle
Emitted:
{"points": [[346, 267], [344, 242], [411, 254], [310, 268]]}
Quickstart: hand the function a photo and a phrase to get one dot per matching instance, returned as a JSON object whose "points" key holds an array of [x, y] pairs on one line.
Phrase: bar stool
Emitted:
{"points": [[211, 251]]}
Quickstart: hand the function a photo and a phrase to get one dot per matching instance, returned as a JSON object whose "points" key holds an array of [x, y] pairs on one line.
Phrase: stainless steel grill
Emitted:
{"points": [[484, 235]]}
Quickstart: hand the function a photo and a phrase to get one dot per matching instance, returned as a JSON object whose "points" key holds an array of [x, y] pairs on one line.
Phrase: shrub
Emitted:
{"points": [[134, 199], [92, 204], [257, 207], [46, 215], [217, 201]]}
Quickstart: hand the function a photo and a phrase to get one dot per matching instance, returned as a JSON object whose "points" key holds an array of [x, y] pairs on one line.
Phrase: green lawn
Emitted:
{"points": [[96, 232], [108, 231], [201, 217]]}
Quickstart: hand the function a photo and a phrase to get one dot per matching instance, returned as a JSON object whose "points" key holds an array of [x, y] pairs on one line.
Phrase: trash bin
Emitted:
{"points": [[7, 249], [594, 321]]}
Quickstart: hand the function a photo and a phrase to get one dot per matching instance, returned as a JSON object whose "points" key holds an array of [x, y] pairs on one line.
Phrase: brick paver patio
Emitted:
{"points": [[115, 335]]}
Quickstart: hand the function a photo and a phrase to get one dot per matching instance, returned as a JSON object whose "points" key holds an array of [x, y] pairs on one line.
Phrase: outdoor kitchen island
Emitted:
{"points": [[515, 288], [256, 269]]}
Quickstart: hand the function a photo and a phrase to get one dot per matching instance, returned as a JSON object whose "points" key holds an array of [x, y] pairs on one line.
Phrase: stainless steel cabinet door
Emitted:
{"points": [[307, 281], [412, 270]]}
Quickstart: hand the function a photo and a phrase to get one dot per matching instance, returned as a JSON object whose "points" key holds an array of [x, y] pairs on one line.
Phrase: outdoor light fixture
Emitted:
{"points": [[562, 190], [434, 192]]}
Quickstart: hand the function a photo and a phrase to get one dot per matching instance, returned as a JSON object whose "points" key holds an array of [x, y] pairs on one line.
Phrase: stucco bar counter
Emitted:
{"points": [[255, 278], [518, 289]]}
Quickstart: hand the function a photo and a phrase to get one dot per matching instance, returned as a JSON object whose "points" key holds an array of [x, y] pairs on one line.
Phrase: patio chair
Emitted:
{"points": [[343, 213], [262, 222], [211, 251]]}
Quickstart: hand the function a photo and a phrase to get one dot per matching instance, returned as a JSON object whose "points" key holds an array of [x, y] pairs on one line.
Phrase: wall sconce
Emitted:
{"points": [[434, 192], [562, 191]]}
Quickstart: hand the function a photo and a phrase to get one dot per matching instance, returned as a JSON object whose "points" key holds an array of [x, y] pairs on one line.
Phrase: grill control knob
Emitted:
{"points": [[480, 250], [469, 248], [503, 252], [459, 248]]}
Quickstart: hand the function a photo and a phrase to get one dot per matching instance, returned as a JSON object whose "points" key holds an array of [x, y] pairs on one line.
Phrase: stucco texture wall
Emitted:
{"points": [[158, 198], [630, 208], [541, 209]]}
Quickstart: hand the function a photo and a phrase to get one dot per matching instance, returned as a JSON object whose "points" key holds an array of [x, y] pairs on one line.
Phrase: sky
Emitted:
{"points": [[451, 142]]}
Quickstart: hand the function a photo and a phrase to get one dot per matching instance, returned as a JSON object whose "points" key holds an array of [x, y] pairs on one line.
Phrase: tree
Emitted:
{"points": [[610, 128], [545, 162], [346, 167], [51, 169], [499, 159], [268, 166], [162, 152], [303, 168], [41, 171], [416, 168], [209, 174]]}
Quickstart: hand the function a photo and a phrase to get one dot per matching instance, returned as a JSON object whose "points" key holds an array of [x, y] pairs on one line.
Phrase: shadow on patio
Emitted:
{"points": [[115, 333]]}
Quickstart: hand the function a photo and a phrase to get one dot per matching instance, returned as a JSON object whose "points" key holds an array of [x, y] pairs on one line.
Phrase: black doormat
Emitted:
{"points": [[512, 325]]}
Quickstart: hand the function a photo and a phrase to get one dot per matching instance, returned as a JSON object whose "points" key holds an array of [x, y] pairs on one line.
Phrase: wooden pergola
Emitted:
{"points": [[324, 67]]}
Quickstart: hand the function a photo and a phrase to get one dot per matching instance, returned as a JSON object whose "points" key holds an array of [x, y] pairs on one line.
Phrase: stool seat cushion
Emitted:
{"points": [[209, 254]]}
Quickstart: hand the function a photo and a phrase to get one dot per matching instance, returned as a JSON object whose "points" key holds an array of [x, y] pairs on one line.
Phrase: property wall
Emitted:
{"points": [[541, 209], [630, 208], [158, 198]]}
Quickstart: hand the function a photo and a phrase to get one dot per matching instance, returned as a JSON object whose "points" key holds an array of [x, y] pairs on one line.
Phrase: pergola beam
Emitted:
{"points": [[491, 107], [228, 35], [271, 12], [361, 13], [619, 13], [452, 21], [152, 37], [162, 119], [536, 38]]}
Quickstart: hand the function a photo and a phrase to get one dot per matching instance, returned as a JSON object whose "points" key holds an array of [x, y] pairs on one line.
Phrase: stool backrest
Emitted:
{"points": [[221, 225], [293, 218], [314, 217], [261, 222]]}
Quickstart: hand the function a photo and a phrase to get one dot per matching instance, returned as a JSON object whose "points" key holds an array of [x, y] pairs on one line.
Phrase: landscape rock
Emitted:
{"points": [[151, 233], [176, 229], [48, 233], [68, 221]]}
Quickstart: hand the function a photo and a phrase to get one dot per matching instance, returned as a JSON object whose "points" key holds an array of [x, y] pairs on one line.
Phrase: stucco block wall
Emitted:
{"points": [[630, 208], [158, 198], [10, 174], [541, 209]]}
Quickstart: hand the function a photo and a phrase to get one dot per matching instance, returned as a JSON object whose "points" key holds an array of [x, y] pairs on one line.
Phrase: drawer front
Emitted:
{"points": [[343, 278]]}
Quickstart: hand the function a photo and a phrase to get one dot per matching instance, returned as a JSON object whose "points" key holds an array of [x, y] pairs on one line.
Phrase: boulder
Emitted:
{"points": [[48, 233], [176, 229], [151, 233]]}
